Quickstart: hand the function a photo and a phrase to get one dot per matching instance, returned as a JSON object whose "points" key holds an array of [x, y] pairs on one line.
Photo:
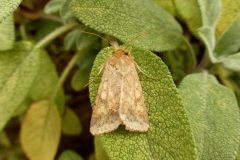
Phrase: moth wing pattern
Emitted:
{"points": [[133, 111], [105, 116]]}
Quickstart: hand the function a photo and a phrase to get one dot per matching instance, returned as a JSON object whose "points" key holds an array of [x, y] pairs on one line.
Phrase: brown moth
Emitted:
{"points": [[120, 98]]}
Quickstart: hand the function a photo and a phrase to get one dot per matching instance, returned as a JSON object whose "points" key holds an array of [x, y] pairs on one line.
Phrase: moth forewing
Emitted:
{"points": [[105, 116], [120, 98], [133, 111]]}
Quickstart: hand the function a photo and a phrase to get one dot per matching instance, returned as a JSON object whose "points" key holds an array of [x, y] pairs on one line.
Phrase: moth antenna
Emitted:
{"points": [[140, 34], [90, 33]]}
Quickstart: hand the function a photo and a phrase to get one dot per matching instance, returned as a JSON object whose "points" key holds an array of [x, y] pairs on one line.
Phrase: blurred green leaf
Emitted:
{"points": [[168, 5], [189, 12], [169, 135], [210, 11], [80, 79], [141, 23], [7, 8], [100, 153], [66, 13], [4, 140], [43, 27], [22, 107], [69, 155], [214, 116], [7, 35], [238, 154], [230, 10], [77, 39], [62, 7], [18, 69], [232, 62], [53, 6], [45, 82], [40, 131], [229, 42], [70, 123]]}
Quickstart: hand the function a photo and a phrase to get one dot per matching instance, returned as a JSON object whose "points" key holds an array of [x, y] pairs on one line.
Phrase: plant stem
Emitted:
{"points": [[192, 57], [64, 75], [23, 32], [46, 40], [205, 62]]}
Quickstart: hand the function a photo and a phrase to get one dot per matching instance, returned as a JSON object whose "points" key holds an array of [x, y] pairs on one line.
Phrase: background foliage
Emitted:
{"points": [[51, 53]]}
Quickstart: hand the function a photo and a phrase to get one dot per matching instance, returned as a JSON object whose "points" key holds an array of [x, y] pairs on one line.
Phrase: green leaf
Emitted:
{"points": [[80, 79], [40, 131], [238, 154], [229, 12], [214, 115], [210, 11], [70, 123], [7, 35], [230, 41], [60, 6], [77, 39], [18, 69], [100, 153], [4, 140], [232, 62], [53, 6], [141, 23], [169, 135], [69, 155], [167, 5], [7, 8], [66, 13], [45, 82], [189, 12]]}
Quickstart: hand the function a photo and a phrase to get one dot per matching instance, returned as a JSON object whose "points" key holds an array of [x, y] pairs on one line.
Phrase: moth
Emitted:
{"points": [[120, 98]]}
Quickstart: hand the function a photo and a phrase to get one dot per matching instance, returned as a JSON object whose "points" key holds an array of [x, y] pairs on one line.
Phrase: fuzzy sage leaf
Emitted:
{"points": [[18, 69], [214, 115], [140, 23], [7, 8], [169, 135]]}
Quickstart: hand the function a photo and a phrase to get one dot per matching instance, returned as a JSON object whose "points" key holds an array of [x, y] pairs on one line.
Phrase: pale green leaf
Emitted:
{"points": [[210, 11], [141, 23], [62, 7], [214, 115], [18, 69], [42, 87], [53, 6], [4, 139], [100, 153], [189, 12], [230, 10], [66, 12], [46, 81], [232, 62], [77, 39], [238, 154], [69, 155], [7, 8], [40, 131], [70, 123], [169, 135], [80, 79], [230, 41], [7, 35], [22, 107], [168, 5]]}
